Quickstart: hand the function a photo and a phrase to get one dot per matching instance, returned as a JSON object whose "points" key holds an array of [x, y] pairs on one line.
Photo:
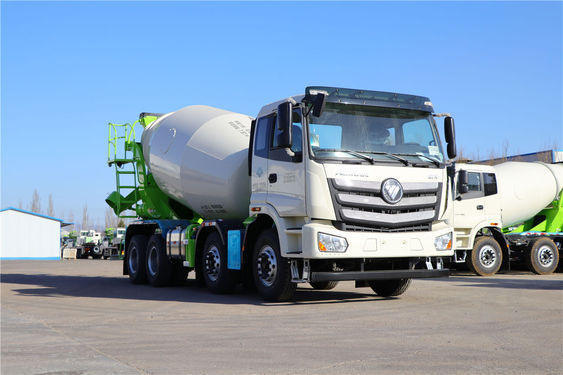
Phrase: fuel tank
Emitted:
{"points": [[198, 155], [527, 188]]}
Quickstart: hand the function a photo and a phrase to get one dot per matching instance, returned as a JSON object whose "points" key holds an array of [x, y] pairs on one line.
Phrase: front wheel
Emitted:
{"points": [[389, 288], [544, 256], [218, 278], [486, 257], [272, 273], [323, 285]]}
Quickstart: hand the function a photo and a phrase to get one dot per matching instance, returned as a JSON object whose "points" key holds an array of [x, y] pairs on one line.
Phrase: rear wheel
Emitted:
{"points": [[272, 273], [218, 278], [486, 257], [159, 269], [136, 259], [324, 285], [544, 256], [389, 288]]}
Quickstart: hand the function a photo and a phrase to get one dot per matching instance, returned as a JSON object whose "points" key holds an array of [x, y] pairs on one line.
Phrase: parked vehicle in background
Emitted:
{"points": [[510, 212], [88, 244], [112, 245]]}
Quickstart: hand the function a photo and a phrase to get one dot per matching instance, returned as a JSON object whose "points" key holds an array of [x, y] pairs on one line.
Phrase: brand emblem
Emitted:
{"points": [[391, 191]]}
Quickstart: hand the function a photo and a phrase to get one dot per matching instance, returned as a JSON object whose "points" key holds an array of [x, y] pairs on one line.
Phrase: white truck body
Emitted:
{"points": [[361, 191]]}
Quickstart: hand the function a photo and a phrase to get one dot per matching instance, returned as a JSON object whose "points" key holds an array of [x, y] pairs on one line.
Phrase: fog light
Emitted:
{"points": [[443, 242], [332, 244]]}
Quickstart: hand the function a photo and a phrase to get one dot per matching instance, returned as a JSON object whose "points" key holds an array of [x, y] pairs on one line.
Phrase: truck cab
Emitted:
{"points": [[477, 219], [353, 180]]}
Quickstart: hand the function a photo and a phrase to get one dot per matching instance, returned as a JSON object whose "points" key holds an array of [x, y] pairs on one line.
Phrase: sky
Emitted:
{"points": [[69, 68]]}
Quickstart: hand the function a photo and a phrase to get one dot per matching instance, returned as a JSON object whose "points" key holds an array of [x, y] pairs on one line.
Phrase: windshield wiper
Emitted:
{"points": [[435, 161], [389, 155], [353, 153], [365, 157]]}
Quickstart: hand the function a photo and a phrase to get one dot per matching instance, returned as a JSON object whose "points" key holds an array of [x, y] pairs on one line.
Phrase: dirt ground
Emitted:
{"points": [[84, 317]]}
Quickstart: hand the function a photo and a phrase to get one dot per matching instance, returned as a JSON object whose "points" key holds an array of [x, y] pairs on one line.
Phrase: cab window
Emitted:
{"points": [[490, 182]]}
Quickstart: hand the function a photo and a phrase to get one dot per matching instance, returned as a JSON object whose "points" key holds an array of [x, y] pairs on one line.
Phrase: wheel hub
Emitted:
{"points": [[267, 266], [212, 263], [153, 261], [545, 256], [487, 256]]}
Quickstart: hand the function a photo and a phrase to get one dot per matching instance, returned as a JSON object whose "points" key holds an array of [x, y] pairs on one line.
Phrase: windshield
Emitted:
{"points": [[375, 131]]}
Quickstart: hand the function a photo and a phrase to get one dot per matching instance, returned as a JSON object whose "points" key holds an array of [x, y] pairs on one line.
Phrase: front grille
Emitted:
{"points": [[359, 206], [360, 228]]}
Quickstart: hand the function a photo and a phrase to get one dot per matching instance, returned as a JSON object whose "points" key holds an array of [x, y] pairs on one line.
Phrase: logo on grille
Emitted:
{"points": [[391, 191]]}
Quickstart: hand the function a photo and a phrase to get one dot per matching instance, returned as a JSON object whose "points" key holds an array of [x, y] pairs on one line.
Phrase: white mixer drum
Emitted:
{"points": [[526, 188], [198, 155]]}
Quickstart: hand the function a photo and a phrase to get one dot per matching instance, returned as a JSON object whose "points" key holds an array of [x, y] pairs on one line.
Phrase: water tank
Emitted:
{"points": [[526, 188], [198, 156]]}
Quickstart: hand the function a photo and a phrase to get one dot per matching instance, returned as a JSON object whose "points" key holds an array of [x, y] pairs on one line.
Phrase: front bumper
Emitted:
{"points": [[374, 244], [378, 275]]}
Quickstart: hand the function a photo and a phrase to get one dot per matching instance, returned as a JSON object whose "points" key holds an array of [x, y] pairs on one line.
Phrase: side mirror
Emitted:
{"points": [[319, 104], [449, 131], [283, 125], [462, 182]]}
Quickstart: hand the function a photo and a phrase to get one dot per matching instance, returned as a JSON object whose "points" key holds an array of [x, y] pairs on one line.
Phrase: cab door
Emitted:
{"points": [[259, 159], [469, 211], [286, 171]]}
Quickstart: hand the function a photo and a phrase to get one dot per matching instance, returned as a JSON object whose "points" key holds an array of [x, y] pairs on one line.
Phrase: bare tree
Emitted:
{"points": [[50, 208], [71, 219], [20, 204], [504, 154], [111, 219], [85, 217], [35, 202]]}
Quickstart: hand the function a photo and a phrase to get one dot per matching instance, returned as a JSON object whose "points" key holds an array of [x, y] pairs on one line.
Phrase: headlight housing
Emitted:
{"points": [[443, 242], [331, 244]]}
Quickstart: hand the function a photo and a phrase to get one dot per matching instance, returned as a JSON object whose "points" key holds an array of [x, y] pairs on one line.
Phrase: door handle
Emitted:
{"points": [[480, 207], [273, 177]]}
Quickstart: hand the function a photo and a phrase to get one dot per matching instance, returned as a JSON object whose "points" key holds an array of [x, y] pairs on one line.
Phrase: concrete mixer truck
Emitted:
{"points": [[330, 185], [511, 212]]}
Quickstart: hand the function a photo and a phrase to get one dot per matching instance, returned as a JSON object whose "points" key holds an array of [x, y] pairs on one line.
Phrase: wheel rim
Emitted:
{"points": [[153, 261], [545, 256], [487, 256], [212, 263], [267, 266], [133, 259]]}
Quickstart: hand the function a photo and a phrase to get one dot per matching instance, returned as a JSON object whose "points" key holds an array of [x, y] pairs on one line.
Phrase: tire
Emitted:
{"points": [[159, 269], [486, 257], [389, 288], [323, 285], [543, 257], [272, 273], [217, 277], [136, 259]]}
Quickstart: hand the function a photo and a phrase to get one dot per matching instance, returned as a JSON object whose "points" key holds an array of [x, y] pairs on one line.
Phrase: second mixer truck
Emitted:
{"points": [[330, 185], [508, 212]]}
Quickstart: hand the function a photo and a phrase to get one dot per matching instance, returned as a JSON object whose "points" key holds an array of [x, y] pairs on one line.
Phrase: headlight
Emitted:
{"points": [[332, 244], [443, 242]]}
